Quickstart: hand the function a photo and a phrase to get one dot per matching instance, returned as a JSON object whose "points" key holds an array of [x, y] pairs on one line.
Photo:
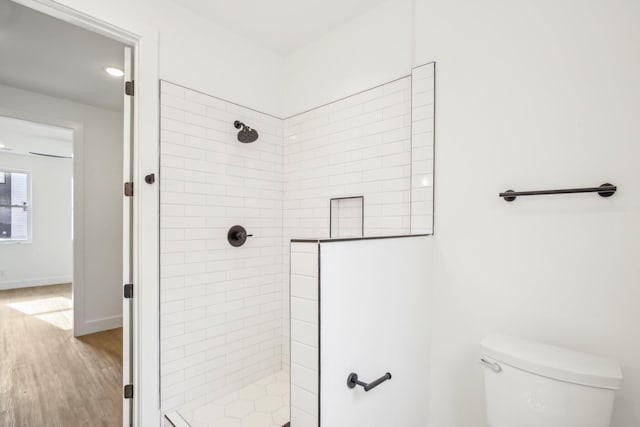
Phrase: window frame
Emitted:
{"points": [[29, 238]]}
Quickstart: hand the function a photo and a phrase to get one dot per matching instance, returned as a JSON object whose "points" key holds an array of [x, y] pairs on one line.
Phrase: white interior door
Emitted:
{"points": [[127, 266], [374, 320]]}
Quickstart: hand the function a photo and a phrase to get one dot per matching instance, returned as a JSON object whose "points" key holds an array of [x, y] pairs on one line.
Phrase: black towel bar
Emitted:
{"points": [[605, 190]]}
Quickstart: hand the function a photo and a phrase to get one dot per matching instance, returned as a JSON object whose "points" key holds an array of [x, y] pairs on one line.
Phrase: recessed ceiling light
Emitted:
{"points": [[2, 145], [113, 71]]}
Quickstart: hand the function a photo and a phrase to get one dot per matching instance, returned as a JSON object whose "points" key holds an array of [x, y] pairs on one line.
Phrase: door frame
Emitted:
{"points": [[112, 21]]}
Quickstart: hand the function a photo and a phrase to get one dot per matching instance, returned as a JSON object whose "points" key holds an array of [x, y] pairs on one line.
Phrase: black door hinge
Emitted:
{"points": [[128, 189], [128, 290], [128, 391], [129, 88]]}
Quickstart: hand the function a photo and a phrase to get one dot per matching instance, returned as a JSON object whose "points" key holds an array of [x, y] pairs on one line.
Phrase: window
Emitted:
{"points": [[15, 206]]}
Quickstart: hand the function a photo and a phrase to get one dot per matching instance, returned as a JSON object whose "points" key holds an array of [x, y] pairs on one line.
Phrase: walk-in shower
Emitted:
{"points": [[239, 342]]}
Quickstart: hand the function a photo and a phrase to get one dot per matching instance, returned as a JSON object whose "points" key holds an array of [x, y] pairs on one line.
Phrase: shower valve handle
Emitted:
{"points": [[237, 235]]}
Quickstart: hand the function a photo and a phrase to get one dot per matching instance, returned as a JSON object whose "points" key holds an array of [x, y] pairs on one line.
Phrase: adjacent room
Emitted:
{"points": [[320, 213]]}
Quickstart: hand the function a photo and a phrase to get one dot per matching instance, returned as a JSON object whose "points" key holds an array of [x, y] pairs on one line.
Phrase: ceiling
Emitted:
{"points": [[24, 137], [279, 25], [43, 54]]}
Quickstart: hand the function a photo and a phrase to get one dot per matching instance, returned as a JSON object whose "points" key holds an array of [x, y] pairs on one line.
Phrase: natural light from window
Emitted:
{"points": [[57, 311]]}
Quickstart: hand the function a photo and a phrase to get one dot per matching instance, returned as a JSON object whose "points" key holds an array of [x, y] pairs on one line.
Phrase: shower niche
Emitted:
{"points": [[346, 217], [357, 168]]}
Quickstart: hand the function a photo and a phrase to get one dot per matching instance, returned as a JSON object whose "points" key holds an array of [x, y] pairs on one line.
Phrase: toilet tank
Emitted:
{"points": [[529, 384]]}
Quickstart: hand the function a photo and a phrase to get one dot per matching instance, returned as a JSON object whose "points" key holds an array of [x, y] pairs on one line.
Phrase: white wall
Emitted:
{"points": [[374, 318], [48, 258], [198, 54], [101, 151], [219, 62], [533, 95], [372, 49]]}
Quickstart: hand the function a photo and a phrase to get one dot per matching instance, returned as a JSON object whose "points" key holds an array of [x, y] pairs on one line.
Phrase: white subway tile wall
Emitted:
{"points": [[422, 148], [305, 348], [358, 146], [225, 310], [221, 306]]}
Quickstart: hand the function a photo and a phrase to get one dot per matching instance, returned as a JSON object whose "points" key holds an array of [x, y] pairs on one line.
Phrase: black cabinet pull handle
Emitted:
{"points": [[352, 381]]}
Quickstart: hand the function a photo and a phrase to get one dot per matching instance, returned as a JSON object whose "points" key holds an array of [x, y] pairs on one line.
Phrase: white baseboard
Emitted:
{"points": [[97, 325], [45, 281]]}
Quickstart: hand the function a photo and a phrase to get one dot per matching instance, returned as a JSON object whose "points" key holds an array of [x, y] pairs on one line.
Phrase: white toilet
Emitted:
{"points": [[528, 384]]}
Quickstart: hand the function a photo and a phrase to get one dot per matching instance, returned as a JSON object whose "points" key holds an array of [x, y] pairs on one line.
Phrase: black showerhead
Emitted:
{"points": [[246, 134]]}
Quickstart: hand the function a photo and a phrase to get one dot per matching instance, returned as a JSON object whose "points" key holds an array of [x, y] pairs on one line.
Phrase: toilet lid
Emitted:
{"points": [[554, 362]]}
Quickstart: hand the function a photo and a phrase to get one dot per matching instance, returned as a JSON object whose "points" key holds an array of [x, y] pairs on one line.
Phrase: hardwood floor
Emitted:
{"points": [[48, 377]]}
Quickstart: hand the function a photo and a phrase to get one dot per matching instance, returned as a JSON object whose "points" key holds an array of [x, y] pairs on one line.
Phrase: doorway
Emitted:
{"points": [[66, 333]]}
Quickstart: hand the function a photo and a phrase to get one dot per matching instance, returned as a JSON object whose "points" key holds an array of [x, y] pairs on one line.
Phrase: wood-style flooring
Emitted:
{"points": [[48, 378]]}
